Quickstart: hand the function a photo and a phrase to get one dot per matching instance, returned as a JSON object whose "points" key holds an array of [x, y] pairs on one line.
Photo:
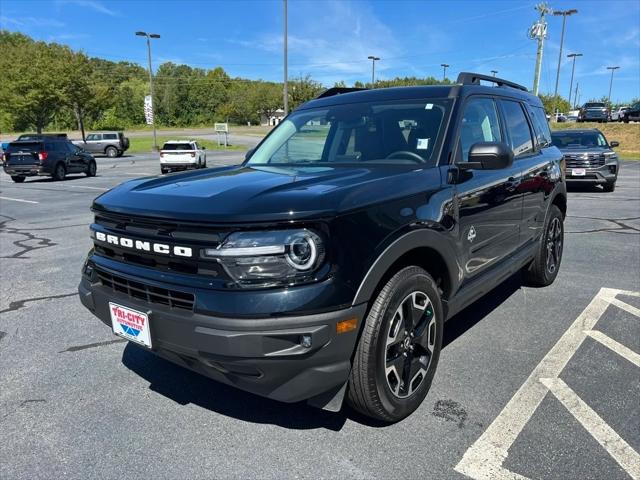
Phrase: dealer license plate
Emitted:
{"points": [[130, 324], [578, 172]]}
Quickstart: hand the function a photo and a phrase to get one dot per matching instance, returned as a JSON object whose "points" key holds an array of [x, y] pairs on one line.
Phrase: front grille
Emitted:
{"points": [[147, 293], [579, 160]]}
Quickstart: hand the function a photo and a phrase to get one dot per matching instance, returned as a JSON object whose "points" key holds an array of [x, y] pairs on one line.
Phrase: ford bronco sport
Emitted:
{"points": [[324, 267]]}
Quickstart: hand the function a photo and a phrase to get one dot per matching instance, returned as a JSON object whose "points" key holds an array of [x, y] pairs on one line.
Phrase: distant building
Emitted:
{"points": [[275, 118]]}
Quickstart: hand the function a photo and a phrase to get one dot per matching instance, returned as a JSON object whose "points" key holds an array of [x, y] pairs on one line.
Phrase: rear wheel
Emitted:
{"points": [[398, 351], [59, 172], [543, 270], [111, 152], [17, 178], [91, 169], [609, 187]]}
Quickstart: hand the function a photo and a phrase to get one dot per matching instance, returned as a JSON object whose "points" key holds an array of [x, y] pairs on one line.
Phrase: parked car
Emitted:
{"points": [[46, 155], [594, 112], [325, 265], [632, 113], [618, 115], [572, 118], [111, 144], [560, 117], [589, 157], [182, 155]]}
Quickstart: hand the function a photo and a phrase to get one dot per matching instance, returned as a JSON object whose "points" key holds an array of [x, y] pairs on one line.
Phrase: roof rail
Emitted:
{"points": [[468, 78], [338, 90]]}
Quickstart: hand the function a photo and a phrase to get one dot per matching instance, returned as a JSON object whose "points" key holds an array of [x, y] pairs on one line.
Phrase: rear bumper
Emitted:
{"points": [[178, 165], [264, 356], [25, 170]]}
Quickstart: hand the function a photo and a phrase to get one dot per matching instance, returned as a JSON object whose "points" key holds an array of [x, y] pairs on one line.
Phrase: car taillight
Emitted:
{"points": [[43, 156], [193, 154]]}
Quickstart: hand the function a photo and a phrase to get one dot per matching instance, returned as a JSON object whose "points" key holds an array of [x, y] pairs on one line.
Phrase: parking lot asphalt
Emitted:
{"points": [[537, 383]]}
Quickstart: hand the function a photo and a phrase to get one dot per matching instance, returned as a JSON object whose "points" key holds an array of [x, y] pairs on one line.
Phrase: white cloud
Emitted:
{"points": [[30, 22], [91, 4]]}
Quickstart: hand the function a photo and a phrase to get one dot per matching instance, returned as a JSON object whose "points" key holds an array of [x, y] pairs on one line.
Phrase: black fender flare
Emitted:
{"points": [[422, 238]]}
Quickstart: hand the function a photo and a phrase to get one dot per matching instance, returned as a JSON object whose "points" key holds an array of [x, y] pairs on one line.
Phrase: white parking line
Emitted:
{"points": [[17, 200], [617, 347], [485, 458], [91, 188], [606, 436]]}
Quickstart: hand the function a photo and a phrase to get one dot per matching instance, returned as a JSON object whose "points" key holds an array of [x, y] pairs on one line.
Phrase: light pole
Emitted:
{"points": [[573, 68], [285, 91], [444, 70], [565, 14], [373, 68], [494, 72], [613, 69], [149, 37]]}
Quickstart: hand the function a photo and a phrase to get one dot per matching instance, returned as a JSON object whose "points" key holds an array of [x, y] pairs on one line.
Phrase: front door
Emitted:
{"points": [[94, 143], [489, 201]]}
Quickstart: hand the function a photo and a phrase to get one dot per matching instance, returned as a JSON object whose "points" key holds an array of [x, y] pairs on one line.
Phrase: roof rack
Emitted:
{"points": [[468, 78], [338, 90]]}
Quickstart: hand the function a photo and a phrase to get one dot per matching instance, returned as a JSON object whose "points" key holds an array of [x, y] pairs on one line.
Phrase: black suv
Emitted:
{"points": [[589, 157], [327, 263], [49, 155]]}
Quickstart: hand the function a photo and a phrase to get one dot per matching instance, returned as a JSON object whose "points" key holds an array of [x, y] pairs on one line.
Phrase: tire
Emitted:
{"points": [[543, 270], [91, 169], [375, 387], [111, 152], [626, 120], [609, 187], [18, 179], [59, 172], [164, 170], [205, 161]]}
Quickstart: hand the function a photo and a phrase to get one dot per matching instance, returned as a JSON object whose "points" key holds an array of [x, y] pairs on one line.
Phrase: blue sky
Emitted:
{"points": [[330, 40]]}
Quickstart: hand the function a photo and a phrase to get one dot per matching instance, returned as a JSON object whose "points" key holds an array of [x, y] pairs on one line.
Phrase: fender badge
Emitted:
{"points": [[472, 234]]}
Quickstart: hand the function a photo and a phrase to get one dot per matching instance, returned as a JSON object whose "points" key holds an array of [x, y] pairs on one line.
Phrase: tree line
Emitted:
{"points": [[50, 86]]}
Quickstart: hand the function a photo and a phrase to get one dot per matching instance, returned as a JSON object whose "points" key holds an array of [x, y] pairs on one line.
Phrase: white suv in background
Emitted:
{"points": [[182, 155]]}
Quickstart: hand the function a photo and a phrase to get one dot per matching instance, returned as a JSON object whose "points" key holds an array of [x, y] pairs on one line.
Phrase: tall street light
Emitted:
{"points": [[613, 69], [149, 37], [444, 70], [573, 69], [494, 72], [285, 90], [564, 14], [373, 68]]}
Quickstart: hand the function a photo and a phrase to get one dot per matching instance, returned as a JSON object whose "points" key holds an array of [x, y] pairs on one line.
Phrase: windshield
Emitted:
{"points": [[594, 105], [396, 132], [578, 139], [177, 146]]}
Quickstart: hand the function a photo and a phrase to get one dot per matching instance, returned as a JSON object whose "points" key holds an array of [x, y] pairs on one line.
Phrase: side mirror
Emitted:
{"points": [[247, 155], [614, 144], [488, 156]]}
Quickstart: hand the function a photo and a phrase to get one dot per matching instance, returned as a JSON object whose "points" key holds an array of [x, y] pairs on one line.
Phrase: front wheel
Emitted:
{"points": [[609, 187], [17, 178], [91, 169], [543, 270], [398, 351]]}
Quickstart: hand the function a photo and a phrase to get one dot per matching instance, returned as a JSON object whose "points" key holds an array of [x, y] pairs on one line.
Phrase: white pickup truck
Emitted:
{"points": [[182, 155]]}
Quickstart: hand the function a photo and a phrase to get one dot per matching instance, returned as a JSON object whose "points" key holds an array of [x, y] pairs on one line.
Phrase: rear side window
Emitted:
{"points": [[177, 146], [541, 126], [517, 128], [110, 136]]}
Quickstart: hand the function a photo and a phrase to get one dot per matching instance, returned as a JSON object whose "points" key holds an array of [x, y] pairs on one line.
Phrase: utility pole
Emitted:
{"points": [[538, 31], [285, 90], [577, 97], [494, 72], [444, 70], [149, 37], [613, 69], [573, 69], [565, 14], [373, 59]]}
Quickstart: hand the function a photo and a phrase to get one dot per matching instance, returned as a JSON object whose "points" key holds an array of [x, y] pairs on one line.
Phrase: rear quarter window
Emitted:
{"points": [[110, 136], [541, 126]]}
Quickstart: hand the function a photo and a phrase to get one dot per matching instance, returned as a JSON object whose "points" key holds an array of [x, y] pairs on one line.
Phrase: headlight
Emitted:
{"points": [[270, 258]]}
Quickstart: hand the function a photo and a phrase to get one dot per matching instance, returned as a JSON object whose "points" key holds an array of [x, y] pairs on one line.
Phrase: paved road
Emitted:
{"points": [[524, 385]]}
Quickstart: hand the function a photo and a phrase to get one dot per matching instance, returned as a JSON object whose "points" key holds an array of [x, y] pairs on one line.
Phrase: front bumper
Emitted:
{"points": [[264, 356], [600, 175], [25, 170]]}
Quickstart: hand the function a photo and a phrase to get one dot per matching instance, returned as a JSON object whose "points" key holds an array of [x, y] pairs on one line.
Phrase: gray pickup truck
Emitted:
{"points": [[111, 144]]}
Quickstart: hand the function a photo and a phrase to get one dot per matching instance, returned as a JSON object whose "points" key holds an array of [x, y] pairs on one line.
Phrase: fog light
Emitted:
{"points": [[306, 341]]}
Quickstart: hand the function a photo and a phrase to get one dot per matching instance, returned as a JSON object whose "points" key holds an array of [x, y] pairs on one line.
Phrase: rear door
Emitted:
{"points": [[489, 203]]}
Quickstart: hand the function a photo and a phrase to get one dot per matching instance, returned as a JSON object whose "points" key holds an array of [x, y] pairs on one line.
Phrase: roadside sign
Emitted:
{"points": [[222, 132], [148, 109]]}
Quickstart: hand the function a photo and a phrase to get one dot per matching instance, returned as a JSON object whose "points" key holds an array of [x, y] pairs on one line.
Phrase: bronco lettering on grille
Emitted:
{"points": [[160, 248]]}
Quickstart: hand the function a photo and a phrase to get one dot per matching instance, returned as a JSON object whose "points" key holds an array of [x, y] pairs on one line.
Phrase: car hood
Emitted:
{"points": [[582, 150], [264, 193]]}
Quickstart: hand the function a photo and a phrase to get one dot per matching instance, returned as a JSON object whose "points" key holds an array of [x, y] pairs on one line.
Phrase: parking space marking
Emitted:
{"points": [[606, 436], [626, 307], [91, 188], [485, 458], [617, 347], [18, 200]]}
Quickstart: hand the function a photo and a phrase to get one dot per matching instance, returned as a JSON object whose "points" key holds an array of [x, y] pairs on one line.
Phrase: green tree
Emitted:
{"points": [[551, 103]]}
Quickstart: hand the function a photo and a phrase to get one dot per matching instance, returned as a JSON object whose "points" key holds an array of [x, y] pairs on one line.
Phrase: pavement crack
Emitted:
{"points": [[619, 225], [42, 241], [18, 304], [92, 345]]}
